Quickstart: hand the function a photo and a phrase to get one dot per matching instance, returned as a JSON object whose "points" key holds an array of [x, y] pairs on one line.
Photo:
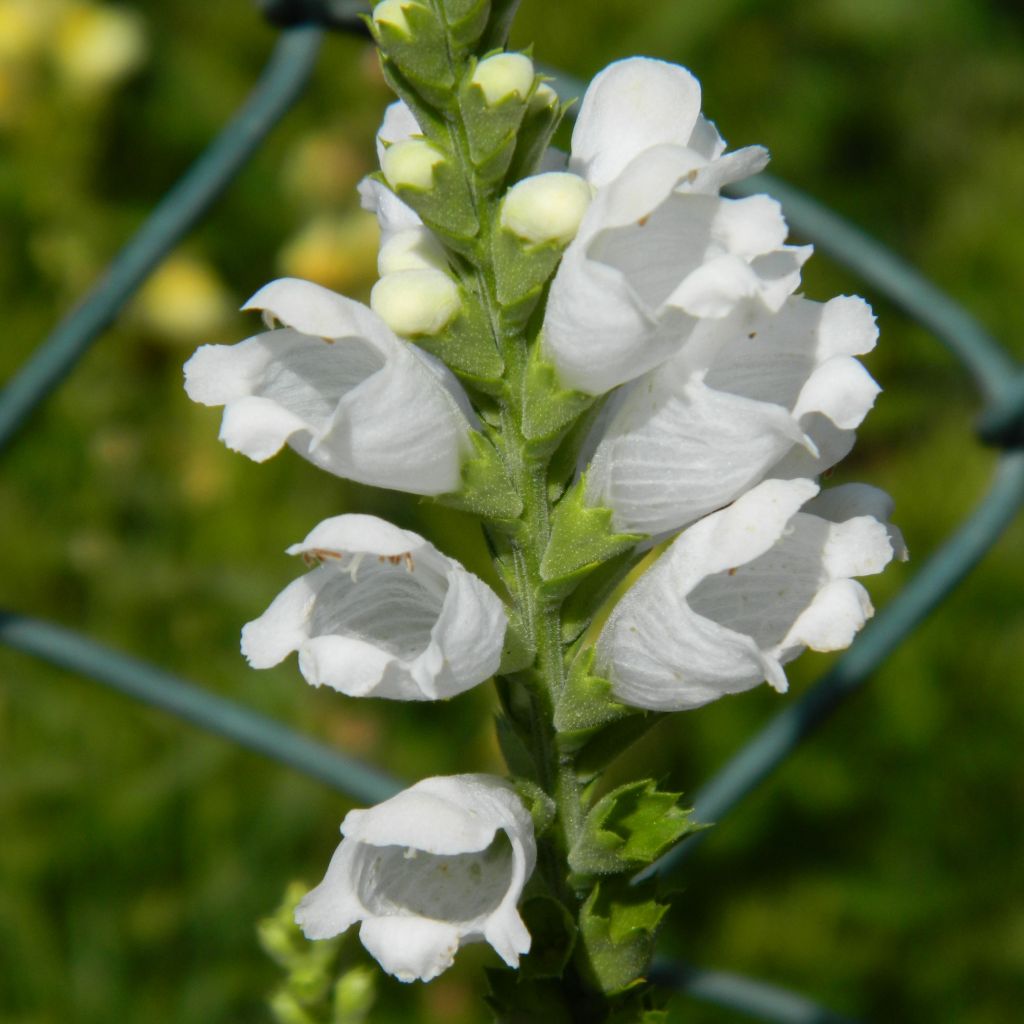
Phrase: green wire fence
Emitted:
{"points": [[998, 379]]}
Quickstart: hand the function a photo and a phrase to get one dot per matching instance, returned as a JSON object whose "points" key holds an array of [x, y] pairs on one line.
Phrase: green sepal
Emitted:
{"points": [[422, 55], [521, 271], [582, 538], [584, 603], [486, 490], [585, 704], [467, 348], [549, 408], [490, 130], [618, 923], [552, 937], [629, 828], [467, 21], [535, 133], [541, 807], [447, 206], [496, 34]]}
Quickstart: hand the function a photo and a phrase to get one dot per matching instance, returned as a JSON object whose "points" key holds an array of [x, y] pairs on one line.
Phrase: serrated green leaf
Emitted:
{"points": [[549, 408], [467, 21], [582, 538], [628, 829], [421, 55], [491, 130], [541, 807], [521, 272], [486, 490], [447, 207], [618, 923], [585, 705], [467, 348]]}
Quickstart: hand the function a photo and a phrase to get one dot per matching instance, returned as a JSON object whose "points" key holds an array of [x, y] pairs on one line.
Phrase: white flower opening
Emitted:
{"points": [[744, 591], [658, 249], [440, 865], [339, 388], [384, 614], [754, 394]]}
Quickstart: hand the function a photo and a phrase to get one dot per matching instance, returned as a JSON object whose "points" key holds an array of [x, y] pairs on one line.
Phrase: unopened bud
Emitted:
{"points": [[412, 249], [415, 302], [410, 163], [504, 75], [546, 207], [543, 97], [392, 13]]}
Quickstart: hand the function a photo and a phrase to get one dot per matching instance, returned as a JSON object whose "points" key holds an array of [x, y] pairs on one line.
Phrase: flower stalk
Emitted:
{"points": [[568, 348]]}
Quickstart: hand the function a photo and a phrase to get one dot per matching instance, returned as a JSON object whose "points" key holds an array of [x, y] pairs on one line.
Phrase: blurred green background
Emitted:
{"points": [[881, 871]]}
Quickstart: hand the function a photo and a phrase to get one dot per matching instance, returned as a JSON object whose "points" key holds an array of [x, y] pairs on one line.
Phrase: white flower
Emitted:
{"points": [[658, 248], [398, 126], [385, 614], [745, 590], [337, 386], [441, 864], [692, 435]]}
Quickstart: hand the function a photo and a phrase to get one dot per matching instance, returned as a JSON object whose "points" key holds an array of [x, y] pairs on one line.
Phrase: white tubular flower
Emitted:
{"points": [[658, 248], [692, 435], [338, 387], [745, 590], [385, 614], [440, 865]]}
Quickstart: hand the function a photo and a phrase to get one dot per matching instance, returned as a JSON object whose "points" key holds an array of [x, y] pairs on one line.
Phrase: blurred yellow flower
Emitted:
{"points": [[185, 300], [324, 168], [23, 25], [339, 252], [96, 47]]}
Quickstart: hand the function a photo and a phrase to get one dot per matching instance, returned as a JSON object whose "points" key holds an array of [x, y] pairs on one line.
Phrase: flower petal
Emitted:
{"points": [[410, 948], [629, 107]]}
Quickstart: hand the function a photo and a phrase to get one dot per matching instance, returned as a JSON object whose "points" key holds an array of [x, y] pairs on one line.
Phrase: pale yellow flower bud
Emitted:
{"points": [[415, 302], [392, 13], [546, 208], [504, 75], [410, 163]]}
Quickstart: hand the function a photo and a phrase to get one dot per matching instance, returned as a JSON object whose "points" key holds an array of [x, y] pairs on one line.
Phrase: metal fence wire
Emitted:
{"points": [[998, 378]]}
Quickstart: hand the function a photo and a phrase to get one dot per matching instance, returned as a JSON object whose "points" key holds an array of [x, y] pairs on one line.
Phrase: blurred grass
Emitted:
{"points": [[881, 871]]}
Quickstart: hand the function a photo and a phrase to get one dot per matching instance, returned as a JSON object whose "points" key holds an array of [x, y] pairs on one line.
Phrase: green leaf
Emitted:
{"points": [[466, 346], [541, 807], [535, 133], [585, 705], [549, 408], [496, 34], [583, 604], [422, 55], [516, 753], [521, 272], [581, 539], [518, 652], [467, 20], [447, 206], [486, 490], [628, 829], [617, 928], [552, 937], [491, 130]]}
